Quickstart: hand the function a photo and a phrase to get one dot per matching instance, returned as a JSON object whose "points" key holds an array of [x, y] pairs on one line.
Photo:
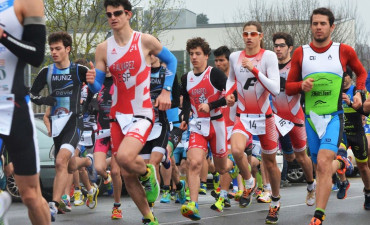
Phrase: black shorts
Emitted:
{"points": [[358, 145], [175, 137], [156, 145], [21, 143], [70, 135]]}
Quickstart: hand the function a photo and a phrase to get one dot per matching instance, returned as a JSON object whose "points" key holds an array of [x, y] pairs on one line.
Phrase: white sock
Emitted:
{"points": [[267, 187], [223, 193], [91, 191], [249, 183], [310, 187], [235, 188], [275, 204]]}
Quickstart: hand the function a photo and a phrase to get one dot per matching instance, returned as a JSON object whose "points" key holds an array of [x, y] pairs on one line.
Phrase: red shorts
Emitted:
{"points": [[216, 139], [298, 138], [269, 140], [139, 129]]}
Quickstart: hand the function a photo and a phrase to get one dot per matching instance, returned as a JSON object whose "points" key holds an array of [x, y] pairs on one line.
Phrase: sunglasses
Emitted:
{"points": [[251, 33], [282, 45], [115, 13]]}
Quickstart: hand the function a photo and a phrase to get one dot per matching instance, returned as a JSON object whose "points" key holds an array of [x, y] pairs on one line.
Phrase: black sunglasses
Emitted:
{"points": [[115, 13]]}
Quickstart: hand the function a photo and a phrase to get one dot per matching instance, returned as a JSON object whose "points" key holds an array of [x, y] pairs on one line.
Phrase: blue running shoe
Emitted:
{"points": [[343, 188]]}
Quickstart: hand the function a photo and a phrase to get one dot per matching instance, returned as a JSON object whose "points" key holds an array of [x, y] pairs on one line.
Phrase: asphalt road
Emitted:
{"points": [[293, 211]]}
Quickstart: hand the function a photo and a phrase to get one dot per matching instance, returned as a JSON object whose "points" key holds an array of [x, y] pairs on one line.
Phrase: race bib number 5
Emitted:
{"points": [[200, 126]]}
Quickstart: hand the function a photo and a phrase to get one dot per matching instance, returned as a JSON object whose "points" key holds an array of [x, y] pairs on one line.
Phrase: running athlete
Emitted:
{"points": [[222, 55], [354, 137], [64, 80], [22, 40], [127, 56], [317, 69], [256, 73], [289, 116], [202, 93], [102, 145]]}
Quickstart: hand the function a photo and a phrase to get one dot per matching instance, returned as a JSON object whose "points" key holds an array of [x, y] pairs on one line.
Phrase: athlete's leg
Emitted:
{"points": [[273, 172], [100, 164], [128, 156], [155, 159], [195, 161], [117, 181], [61, 173], [238, 142], [30, 191]]}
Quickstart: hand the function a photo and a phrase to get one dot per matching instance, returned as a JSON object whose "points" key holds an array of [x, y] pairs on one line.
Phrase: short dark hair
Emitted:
{"points": [[198, 42], [259, 29], [348, 72], [326, 12], [223, 50], [60, 36], [116, 3], [287, 37]]}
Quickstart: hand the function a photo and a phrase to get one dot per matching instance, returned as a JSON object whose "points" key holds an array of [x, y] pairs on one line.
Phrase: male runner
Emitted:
{"points": [[289, 115], [127, 56], [256, 73], [202, 93], [354, 137], [317, 69], [64, 80], [22, 40]]}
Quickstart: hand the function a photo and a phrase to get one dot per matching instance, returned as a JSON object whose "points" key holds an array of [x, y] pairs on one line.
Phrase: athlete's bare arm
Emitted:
{"points": [[101, 56]]}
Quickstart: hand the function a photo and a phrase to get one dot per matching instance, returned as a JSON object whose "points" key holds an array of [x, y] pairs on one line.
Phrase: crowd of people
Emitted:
{"points": [[129, 115]]}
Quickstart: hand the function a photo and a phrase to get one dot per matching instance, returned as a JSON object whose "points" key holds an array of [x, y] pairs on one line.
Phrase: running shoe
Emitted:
{"points": [[335, 187], [150, 184], [257, 192], [5, 202], [187, 193], [231, 194], [343, 188], [148, 222], [218, 205], [227, 203], [92, 199], [238, 195], [116, 213], [216, 193], [203, 189], [53, 211], [93, 175], [65, 204], [265, 197], [108, 184], [273, 215], [246, 198], [315, 221], [178, 198], [216, 180], [346, 164], [173, 195], [234, 172], [181, 193], [367, 202], [311, 197], [79, 198], [166, 197], [285, 183], [191, 211]]}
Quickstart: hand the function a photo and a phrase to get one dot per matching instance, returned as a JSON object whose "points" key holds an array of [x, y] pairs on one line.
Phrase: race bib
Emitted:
{"points": [[320, 122], [86, 138], [156, 131], [58, 122], [124, 120], [284, 126], [6, 113], [254, 123], [229, 130], [103, 134], [200, 126]]}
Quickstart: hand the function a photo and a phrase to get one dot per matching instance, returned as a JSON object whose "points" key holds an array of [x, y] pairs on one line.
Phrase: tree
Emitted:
{"points": [[86, 21], [202, 19]]}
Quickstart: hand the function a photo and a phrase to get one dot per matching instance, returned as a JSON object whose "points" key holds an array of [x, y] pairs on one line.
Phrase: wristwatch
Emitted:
{"points": [[167, 88]]}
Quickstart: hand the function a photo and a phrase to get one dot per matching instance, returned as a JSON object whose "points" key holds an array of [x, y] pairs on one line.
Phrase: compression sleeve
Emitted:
{"points": [[98, 82], [294, 81], [31, 48], [218, 80], [231, 84], [171, 62], [37, 86], [175, 102], [186, 105], [272, 82]]}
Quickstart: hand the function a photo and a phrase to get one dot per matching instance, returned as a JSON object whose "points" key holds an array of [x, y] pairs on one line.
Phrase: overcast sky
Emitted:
{"points": [[220, 11]]}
